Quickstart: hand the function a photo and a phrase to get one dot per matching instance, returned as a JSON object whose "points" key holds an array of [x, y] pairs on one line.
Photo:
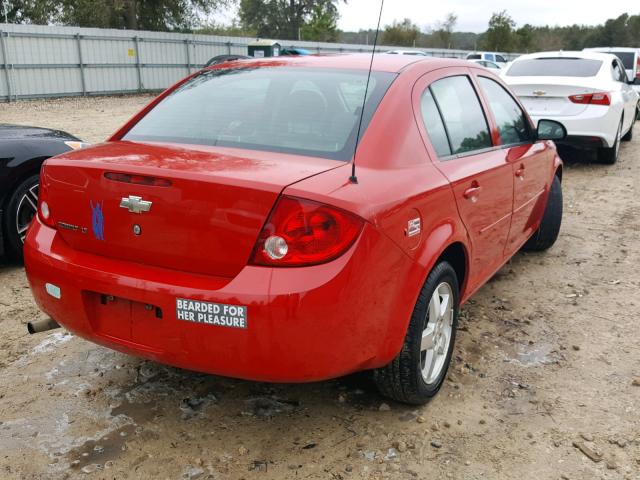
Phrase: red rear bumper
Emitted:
{"points": [[304, 324]]}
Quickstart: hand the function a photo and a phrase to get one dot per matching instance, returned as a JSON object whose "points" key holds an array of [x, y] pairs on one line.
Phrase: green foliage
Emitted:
{"points": [[131, 14], [403, 33], [322, 26], [444, 31], [285, 19], [500, 36]]}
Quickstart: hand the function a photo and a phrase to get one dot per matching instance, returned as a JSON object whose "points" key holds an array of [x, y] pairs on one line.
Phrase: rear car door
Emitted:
{"points": [[458, 137], [629, 96], [531, 162]]}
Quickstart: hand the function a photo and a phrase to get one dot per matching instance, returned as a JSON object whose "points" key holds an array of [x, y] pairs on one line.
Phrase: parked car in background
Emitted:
{"points": [[222, 229], [630, 58], [487, 56], [407, 52], [488, 64], [22, 151], [295, 51], [587, 91]]}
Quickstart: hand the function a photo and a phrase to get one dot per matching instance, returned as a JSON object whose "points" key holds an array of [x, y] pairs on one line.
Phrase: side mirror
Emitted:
{"points": [[551, 130]]}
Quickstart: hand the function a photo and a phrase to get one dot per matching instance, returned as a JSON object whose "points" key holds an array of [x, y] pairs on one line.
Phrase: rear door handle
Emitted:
{"points": [[520, 172], [472, 193]]}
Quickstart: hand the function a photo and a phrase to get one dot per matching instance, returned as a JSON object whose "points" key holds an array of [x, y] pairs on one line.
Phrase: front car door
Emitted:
{"points": [[629, 96], [531, 162], [457, 133]]}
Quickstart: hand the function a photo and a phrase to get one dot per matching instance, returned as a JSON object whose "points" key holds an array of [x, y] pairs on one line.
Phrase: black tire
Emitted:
{"points": [[18, 214], [610, 155], [402, 379], [547, 233]]}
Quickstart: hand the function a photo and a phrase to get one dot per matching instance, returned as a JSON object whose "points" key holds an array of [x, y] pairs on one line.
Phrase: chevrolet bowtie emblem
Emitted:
{"points": [[539, 93], [135, 204]]}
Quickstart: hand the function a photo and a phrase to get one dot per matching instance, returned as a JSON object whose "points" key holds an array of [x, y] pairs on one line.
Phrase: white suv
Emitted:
{"points": [[630, 58], [489, 57]]}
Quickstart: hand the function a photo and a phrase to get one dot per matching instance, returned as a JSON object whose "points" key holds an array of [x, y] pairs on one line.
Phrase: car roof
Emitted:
{"points": [[355, 61], [588, 55], [612, 49]]}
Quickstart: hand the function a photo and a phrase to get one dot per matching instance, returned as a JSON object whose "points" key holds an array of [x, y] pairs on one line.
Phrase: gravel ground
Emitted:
{"points": [[545, 383]]}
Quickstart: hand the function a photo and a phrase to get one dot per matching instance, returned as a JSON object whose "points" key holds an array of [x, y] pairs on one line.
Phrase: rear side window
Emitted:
{"points": [[474, 56], [512, 123], [627, 58], [555, 67], [304, 111], [434, 126], [462, 114], [490, 56]]}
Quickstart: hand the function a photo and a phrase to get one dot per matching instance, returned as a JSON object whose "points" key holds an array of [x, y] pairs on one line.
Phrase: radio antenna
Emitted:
{"points": [[353, 177]]}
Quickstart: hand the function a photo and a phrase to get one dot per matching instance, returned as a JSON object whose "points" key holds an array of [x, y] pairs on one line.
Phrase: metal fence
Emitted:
{"points": [[46, 61]]}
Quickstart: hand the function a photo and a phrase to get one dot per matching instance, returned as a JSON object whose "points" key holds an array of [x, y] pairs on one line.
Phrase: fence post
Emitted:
{"points": [[186, 44], [138, 65], [228, 48], [6, 64], [81, 61]]}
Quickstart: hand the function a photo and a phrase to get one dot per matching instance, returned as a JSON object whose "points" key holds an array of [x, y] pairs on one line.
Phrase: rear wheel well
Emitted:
{"points": [[559, 173], [4, 202], [456, 255]]}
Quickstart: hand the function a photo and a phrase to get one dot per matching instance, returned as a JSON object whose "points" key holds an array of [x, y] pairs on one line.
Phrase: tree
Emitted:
{"points": [[284, 19], [130, 14], [403, 33], [322, 26], [444, 30], [500, 36]]}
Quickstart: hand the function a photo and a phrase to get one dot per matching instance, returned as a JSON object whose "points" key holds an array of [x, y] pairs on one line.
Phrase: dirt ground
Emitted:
{"points": [[545, 383]]}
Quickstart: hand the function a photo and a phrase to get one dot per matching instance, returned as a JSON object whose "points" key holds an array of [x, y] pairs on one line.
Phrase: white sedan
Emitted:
{"points": [[587, 92]]}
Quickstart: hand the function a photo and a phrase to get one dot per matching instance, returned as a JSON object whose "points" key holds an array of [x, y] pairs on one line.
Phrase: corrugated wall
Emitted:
{"points": [[44, 61]]}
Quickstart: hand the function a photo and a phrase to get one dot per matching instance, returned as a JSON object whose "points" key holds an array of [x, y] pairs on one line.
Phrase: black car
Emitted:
{"points": [[22, 152]]}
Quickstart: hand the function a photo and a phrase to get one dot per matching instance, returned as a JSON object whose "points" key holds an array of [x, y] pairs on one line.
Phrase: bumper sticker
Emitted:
{"points": [[220, 314]]}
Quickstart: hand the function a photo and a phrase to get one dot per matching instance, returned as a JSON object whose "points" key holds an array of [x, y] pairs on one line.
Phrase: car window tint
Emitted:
{"points": [[512, 123], [500, 58], [305, 111], [462, 114], [490, 56], [474, 56], [627, 58], [555, 67], [433, 124]]}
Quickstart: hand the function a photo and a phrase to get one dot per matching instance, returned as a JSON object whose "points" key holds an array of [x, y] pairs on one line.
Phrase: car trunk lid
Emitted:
{"points": [[549, 96], [195, 209]]}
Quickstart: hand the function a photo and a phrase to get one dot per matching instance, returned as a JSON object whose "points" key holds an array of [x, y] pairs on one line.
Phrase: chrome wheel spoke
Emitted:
{"points": [[428, 339]]}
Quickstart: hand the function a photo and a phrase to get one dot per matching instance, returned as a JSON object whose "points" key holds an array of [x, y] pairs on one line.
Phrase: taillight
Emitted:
{"points": [[302, 232], [44, 209], [599, 98]]}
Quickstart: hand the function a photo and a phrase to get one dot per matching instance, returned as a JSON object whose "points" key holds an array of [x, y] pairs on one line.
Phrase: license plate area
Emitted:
{"points": [[118, 317]]}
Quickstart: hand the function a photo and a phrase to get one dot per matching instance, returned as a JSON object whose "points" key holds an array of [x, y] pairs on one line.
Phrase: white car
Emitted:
{"points": [[487, 64], [587, 92], [487, 56], [630, 58], [407, 52]]}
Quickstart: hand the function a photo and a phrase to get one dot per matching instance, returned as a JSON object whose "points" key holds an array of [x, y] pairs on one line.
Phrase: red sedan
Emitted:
{"points": [[221, 229]]}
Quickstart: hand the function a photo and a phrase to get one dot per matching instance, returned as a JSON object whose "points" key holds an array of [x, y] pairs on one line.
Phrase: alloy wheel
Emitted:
{"points": [[27, 208], [436, 336]]}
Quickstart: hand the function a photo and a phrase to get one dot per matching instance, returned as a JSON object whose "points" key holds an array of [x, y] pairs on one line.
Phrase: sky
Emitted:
{"points": [[473, 15]]}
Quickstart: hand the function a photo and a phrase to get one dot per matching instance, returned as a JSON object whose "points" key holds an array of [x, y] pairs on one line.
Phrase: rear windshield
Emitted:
{"points": [[627, 58], [281, 109], [555, 67]]}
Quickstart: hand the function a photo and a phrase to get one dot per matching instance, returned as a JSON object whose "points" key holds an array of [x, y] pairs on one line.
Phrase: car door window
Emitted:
{"points": [[490, 57], [500, 58], [433, 124], [619, 74], [464, 120], [511, 120]]}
